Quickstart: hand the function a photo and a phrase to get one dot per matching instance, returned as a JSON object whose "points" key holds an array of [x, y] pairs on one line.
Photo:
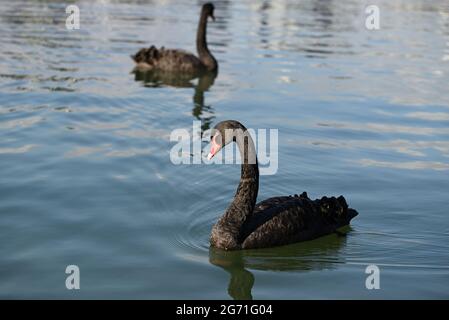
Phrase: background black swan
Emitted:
{"points": [[180, 60], [275, 221]]}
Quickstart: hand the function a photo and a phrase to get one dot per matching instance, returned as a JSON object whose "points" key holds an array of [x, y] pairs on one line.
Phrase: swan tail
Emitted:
{"points": [[352, 214], [348, 213], [147, 55], [336, 210]]}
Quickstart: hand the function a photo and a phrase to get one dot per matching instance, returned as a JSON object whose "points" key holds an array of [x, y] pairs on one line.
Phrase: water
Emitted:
{"points": [[84, 150]]}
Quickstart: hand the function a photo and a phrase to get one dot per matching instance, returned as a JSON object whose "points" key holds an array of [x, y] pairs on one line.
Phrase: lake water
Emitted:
{"points": [[85, 170]]}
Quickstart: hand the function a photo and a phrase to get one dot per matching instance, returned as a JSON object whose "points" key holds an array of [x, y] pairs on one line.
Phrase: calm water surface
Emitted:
{"points": [[85, 171]]}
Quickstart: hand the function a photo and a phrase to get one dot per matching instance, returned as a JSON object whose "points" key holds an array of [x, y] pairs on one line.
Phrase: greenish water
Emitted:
{"points": [[85, 171]]}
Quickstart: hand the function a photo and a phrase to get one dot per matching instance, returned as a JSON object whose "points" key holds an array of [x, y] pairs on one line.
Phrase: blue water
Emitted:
{"points": [[85, 170]]}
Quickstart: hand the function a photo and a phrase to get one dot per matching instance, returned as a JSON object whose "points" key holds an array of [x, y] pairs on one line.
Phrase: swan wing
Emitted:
{"points": [[166, 59], [283, 220]]}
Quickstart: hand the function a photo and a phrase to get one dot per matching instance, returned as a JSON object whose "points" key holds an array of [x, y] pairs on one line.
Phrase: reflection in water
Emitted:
{"points": [[305, 256], [201, 111], [378, 99]]}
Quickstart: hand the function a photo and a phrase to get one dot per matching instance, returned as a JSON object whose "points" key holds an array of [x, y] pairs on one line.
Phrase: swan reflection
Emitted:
{"points": [[320, 254], [201, 111]]}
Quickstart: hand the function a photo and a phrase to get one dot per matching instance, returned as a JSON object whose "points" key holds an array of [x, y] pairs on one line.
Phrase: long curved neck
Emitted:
{"points": [[201, 44], [242, 206]]}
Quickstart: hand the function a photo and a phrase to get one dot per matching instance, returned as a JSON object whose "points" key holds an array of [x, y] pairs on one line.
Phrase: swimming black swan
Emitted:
{"points": [[275, 221], [179, 60]]}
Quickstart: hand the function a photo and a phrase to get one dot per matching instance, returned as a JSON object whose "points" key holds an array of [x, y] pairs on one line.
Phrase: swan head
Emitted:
{"points": [[224, 133], [208, 9]]}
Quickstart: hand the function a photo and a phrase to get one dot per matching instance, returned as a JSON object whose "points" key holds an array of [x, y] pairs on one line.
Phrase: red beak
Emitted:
{"points": [[214, 148]]}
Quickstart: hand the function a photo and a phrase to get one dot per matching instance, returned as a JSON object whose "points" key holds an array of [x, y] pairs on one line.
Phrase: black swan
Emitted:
{"points": [[175, 60], [275, 221]]}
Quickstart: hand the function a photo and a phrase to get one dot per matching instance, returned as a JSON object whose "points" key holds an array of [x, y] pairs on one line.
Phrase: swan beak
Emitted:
{"points": [[213, 152], [214, 147]]}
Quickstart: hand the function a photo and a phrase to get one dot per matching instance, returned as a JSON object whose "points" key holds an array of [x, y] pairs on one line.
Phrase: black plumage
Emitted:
{"points": [[275, 221], [175, 60]]}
